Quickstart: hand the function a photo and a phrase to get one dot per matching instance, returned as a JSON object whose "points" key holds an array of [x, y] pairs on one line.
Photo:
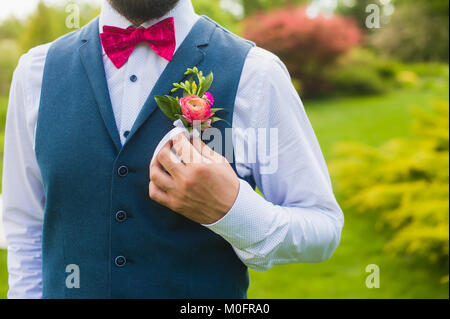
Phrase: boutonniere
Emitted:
{"points": [[194, 109]]}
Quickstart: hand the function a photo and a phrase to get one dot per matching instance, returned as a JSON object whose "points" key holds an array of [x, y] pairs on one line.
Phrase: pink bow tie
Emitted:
{"points": [[120, 43]]}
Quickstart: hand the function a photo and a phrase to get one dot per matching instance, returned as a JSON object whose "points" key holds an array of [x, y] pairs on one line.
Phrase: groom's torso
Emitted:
{"points": [[98, 215]]}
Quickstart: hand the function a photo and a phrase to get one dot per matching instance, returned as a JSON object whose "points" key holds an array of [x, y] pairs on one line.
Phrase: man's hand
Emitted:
{"points": [[202, 186]]}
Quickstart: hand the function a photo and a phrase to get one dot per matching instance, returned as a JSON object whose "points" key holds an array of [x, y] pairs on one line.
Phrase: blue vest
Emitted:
{"points": [[98, 214]]}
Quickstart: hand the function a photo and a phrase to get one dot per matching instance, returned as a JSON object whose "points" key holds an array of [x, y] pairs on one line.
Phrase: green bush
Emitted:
{"points": [[431, 75], [362, 72], [356, 81], [406, 181]]}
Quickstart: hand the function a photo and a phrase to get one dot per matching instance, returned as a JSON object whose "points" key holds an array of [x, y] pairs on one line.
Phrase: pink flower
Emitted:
{"points": [[209, 97], [195, 108]]}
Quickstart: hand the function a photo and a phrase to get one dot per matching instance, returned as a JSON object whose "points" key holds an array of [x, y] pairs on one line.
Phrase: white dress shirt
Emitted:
{"points": [[298, 220]]}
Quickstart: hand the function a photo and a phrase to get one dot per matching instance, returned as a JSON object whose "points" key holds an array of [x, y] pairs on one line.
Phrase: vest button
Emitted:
{"points": [[120, 261], [122, 171], [133, 78], [121, 216]]}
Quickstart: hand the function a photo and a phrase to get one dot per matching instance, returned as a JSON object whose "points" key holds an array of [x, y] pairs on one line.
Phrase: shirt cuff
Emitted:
{"points": [[248, 221]]}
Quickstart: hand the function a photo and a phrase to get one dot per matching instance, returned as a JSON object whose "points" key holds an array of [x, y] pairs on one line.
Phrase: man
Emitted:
{"points": [[82, 217]]}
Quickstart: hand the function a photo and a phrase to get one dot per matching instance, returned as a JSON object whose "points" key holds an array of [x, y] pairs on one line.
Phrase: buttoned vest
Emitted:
{"points": [[103, 237]]}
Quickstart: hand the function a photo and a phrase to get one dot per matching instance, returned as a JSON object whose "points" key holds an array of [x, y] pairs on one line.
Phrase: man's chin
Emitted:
{"points": [[143, 10]]}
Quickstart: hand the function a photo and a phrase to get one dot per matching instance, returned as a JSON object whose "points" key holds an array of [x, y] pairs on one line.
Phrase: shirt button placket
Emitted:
{"points": [[133, 78]]}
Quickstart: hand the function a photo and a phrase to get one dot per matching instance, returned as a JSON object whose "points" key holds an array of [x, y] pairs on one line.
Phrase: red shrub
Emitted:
{"points": [[307, 46]]}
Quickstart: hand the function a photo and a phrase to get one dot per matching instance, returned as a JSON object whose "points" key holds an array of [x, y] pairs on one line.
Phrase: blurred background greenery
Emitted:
{"points": [[378, 100]]}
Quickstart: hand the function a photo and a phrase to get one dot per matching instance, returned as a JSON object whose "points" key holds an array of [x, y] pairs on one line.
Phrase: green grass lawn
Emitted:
{"points": [[371, 120]]}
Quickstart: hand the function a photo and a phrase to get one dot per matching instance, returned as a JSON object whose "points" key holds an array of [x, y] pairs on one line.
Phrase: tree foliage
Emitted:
{"points": [[48, 23], [439, 7], [213, 9], [253, 6], [11, 28], [413, 30], [416, 32], [10, 53]]}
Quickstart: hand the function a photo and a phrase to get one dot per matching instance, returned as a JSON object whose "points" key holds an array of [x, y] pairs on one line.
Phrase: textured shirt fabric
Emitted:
{"points": [[298, 220]]}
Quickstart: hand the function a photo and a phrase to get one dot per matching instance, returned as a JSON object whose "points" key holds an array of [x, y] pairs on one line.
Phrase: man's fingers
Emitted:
{"points": [[158, 195], [161, 179], [186, 150], [205, 150], [168, 160]]}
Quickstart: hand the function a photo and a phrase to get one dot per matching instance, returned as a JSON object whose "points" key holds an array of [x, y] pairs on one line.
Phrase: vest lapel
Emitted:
{"points": [[91, 56], [188, 55]]}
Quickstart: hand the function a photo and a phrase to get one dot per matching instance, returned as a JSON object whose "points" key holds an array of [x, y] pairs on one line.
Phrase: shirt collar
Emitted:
{"points": [[183, 14]]}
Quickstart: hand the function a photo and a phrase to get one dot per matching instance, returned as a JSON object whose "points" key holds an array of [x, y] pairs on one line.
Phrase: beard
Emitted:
{"points": [[140, 11]]}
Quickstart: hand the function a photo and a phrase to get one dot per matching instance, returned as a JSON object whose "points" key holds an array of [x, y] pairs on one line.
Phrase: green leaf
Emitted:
{"points": [[165, 105], [217, 119], [174, 104], [187, 84], [206, 84], [177, 86], [199, 89], [194, 88], [185, 122], [215, 110]]}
